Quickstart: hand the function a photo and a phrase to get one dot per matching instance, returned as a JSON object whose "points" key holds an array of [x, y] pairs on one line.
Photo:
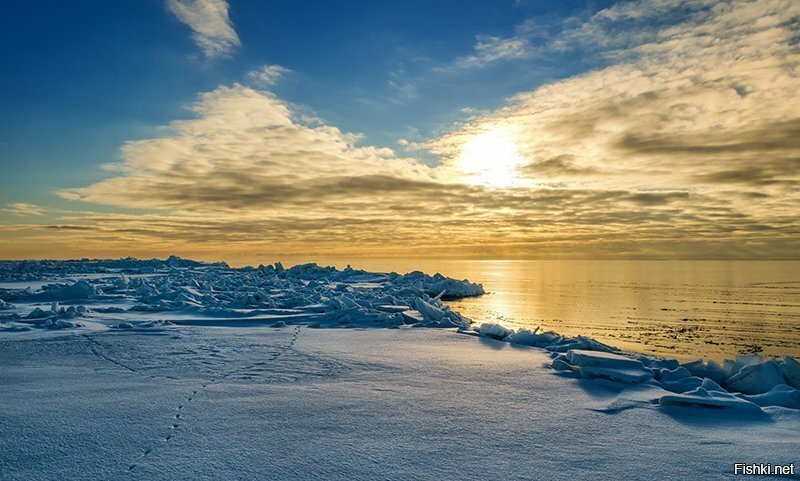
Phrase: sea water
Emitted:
{"points": [[679, 309]]}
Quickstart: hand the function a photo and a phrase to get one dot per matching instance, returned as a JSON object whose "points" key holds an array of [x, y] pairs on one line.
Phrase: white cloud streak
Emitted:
{"points": [[21, 209], [268, 75], [489, 49], [211, 26]]}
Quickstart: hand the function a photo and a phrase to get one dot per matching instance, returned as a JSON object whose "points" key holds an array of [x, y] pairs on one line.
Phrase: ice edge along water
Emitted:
{"points": [[132, 294]]}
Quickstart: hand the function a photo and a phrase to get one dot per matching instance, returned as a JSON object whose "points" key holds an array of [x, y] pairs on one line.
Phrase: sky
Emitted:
{"points": [[231, 130]]}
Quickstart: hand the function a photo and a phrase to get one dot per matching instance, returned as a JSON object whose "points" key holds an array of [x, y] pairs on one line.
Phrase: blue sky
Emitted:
{"points": [[215, 128], [84, 77]]}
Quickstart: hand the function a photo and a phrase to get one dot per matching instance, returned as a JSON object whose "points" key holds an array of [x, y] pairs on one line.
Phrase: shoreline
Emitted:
{"points": [[140, 295], [707, 319]]}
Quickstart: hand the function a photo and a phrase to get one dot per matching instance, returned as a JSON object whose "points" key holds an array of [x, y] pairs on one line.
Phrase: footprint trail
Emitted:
{"points": [[175, 425]]}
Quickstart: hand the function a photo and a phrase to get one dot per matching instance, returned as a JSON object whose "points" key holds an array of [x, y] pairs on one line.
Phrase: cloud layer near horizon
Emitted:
{"points": [[684, 145]]}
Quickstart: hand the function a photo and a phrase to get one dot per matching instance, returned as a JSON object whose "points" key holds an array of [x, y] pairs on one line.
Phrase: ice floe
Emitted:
{"points": [[780, 395], [747, 383], [607, 365], [187, 292], [702, 397]]}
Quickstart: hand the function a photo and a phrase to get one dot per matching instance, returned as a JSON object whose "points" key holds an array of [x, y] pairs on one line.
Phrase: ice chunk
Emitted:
{"points": [[669, 364], [555, 342], [673, 374], [320, 307], [711, 370], [702, 397], [412, 317], [578, 342], [38, 314], [453, 289], [780, 395], [742, 360], [348, 302], [392, 308], [77, 291], [790, 368], [429, 311], [626, 375], [524, 336], [533, 338], [560, 363], [715, 371], [710, 385], [581, 357], [756, 378], [608, 365], [394, 320], [434, 285], [495, 331], [678, 380], [60, 324], [590, 344]]}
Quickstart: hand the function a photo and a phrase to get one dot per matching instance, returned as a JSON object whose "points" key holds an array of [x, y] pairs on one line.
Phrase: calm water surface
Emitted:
{"points": [[682, 309]]}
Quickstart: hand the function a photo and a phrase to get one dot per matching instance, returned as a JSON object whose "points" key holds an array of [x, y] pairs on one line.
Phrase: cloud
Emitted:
{"points": [[383, 215], [268, 75], [212, 29], [489, 49], [559, 166], [402, 91], [705, 100], [245, 148], [24, 210], [683, 146]]}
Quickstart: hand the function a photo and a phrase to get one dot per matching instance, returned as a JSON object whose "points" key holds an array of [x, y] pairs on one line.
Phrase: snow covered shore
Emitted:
{"points": [[181, 370], [356, 404]]}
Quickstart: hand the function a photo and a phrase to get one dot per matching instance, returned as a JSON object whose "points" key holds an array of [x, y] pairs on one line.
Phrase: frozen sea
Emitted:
{"points": [[677, 309], [179, 370]]}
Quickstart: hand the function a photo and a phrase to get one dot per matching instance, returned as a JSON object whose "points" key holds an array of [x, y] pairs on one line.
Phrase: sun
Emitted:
{"points": [[490, 158]]}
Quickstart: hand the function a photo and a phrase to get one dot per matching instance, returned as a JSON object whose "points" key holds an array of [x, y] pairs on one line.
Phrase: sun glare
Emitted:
{"points": [[490, 158]]}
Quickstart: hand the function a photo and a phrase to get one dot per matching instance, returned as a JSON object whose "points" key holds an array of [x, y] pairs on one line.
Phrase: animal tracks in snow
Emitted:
{"points": [[178, 418]]}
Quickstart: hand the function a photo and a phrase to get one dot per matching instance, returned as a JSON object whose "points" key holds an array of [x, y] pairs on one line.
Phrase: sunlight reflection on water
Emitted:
{"points": [[683, 309]]}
